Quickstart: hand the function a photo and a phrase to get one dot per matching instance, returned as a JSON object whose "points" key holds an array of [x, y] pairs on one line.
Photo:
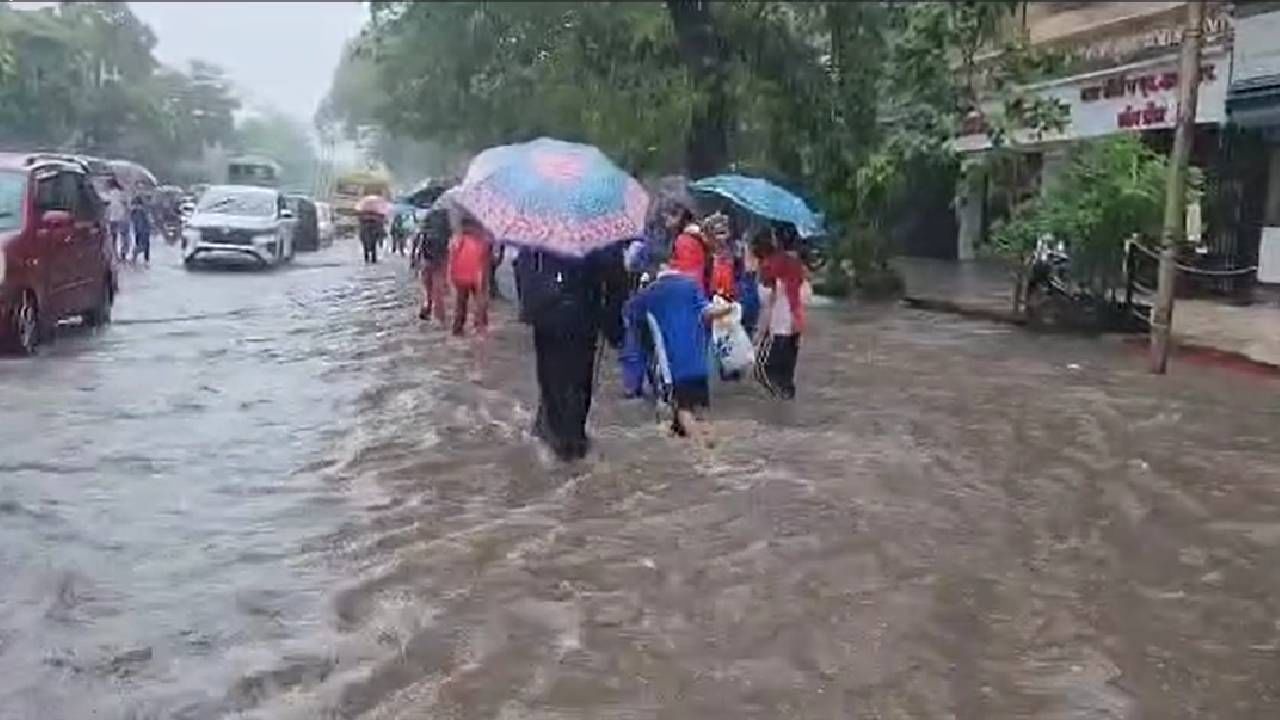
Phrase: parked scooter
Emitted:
{"points": [[1050, 299], [1055, 299]]}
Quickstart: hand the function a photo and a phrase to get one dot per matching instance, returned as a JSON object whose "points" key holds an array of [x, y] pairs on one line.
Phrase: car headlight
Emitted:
{"points": [[191, 235]]}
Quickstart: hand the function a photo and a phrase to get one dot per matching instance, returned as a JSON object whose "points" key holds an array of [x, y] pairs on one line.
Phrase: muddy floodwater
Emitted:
{"points": [[276, 495]]}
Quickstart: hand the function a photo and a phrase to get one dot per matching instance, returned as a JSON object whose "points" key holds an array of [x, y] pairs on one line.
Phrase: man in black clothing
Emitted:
{"points": [[569, 303]]}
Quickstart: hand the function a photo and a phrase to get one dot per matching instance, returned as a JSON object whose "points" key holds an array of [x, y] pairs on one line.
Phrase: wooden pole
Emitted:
{"points": [[1175, 201]]}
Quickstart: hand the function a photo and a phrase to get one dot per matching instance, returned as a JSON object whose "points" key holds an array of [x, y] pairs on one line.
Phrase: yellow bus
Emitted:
{"points": [[347, 191]]}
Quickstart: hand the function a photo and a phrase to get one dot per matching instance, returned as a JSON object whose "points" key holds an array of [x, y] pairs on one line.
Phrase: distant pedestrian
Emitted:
{"points": [[399, 232], [373, 226], [118, 218], [431, 256], [469, 261], [783, 318], [141, 222]]}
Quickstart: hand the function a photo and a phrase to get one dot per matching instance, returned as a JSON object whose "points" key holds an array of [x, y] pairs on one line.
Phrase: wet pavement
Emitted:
{"points": [[276, 495]]}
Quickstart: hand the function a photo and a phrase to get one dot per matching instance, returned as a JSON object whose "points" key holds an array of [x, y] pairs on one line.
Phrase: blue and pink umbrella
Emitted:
{"points": [[561, 197]]}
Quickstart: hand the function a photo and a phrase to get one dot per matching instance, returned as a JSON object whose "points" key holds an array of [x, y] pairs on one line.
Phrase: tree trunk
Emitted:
{"points": [[703, 52]]}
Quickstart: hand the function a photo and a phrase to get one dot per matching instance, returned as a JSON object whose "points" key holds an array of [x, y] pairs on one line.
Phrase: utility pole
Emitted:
{"points": [[1175, 199]]}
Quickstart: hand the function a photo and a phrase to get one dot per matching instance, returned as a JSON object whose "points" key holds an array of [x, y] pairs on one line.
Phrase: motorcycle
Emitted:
{"points": [[1053, 299]]}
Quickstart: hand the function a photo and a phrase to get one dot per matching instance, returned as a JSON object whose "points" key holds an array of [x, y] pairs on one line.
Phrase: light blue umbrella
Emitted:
{"points": [[765, 199]]}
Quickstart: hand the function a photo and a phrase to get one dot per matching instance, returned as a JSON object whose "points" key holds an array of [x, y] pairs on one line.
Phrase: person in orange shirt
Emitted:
{"points": [[717, 230], [689, 256], [469, 255]]}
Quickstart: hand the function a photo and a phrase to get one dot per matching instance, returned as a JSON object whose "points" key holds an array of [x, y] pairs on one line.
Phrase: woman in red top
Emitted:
{"points": [[469, 254], [783, 319]]}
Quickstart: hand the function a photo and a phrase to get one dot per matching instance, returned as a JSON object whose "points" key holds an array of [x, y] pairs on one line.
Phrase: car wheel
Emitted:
{"points": [[24, 330], [100, 314]]}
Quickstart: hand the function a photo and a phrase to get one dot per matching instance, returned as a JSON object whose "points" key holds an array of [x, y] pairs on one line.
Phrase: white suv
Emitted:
{"points": [[239, 222]]}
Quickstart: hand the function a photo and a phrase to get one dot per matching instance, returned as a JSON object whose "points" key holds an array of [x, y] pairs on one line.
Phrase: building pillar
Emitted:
{"points": [[971, 197]]}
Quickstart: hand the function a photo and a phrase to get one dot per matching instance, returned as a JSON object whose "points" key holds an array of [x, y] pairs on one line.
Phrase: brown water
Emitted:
{"points": [[276, 496]]}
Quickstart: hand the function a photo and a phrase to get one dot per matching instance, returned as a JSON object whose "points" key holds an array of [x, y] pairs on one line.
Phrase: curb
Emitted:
{"points": [[1190, 350], [965, 310]]}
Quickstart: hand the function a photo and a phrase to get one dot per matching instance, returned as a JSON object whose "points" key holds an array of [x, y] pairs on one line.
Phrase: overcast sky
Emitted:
{"points": [[280, 53]]}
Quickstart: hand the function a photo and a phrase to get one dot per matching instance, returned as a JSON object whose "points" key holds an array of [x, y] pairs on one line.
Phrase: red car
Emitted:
{"points": [[55, 254]]}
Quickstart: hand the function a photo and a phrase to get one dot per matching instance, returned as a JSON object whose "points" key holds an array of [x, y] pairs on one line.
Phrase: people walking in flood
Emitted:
{"points": [[431, 257], [690, 255], [719, 241], [470, 253], [373, 227], [747, 280], [783, 317], [118, 218], [569, 209], [569, 303], [678, 314], [141, 222], [399, 232]]}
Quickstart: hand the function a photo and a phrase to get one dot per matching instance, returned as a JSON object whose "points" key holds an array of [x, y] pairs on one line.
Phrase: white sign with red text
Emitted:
{"points": [[1141, 96]]}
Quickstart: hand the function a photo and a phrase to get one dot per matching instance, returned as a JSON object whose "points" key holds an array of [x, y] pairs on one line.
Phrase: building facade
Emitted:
{"points": [[1122, 77]]}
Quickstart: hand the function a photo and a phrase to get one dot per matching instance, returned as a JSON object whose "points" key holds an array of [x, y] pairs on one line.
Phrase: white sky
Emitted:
{"points": [[280, 54]]}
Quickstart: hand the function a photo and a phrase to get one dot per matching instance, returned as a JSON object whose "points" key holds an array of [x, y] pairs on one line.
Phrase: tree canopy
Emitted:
{"points": [[841, 98], [83, 77]]}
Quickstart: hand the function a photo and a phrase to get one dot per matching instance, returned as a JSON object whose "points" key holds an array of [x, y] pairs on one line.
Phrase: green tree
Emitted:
{"points": [[478, 74], [82, 77]]}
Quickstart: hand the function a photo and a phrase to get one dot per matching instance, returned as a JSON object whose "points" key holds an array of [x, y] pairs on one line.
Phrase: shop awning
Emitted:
{"points": [[1254, 107]]}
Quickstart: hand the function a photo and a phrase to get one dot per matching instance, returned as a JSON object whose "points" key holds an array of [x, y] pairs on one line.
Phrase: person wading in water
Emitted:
{"points": [[569, 303], [372, 229]]}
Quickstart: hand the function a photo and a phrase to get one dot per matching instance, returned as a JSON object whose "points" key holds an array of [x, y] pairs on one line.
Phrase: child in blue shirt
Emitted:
{"points": [[678, 313]]}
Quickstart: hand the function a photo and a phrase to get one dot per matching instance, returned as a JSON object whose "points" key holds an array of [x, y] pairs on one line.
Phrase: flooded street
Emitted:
{"points": [[276, 495]]}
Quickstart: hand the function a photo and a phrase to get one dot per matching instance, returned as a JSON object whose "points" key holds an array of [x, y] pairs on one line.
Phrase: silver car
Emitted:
{"points": [[237, 223]]}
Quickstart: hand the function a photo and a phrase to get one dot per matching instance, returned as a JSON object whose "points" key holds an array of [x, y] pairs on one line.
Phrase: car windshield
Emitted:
{"points": [[12, 187], [232, 202]]}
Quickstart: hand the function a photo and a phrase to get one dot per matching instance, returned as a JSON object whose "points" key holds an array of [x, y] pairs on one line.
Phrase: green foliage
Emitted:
{"points": [[82, 77], [846, 100], [473, 75], [1112, 190]]}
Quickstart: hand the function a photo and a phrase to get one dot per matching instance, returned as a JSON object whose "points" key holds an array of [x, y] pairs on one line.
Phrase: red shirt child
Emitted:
{"points": [[689, 256]]}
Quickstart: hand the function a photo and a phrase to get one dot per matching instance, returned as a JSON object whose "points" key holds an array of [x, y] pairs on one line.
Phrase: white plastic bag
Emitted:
{"points": [[733, 347]]}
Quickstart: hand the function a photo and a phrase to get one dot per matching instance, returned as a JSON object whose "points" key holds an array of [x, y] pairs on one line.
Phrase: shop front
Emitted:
{"points": [[1138, 97]]}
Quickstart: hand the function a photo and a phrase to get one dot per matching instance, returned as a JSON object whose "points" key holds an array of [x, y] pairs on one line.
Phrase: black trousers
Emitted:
{"points": [[566, 373], [780, 368], [370, 249]]}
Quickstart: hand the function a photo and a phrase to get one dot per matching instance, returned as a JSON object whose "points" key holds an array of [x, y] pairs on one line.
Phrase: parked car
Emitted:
{"points": [[326, 230], [239, 222], [306, 228], [55, 252]]}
